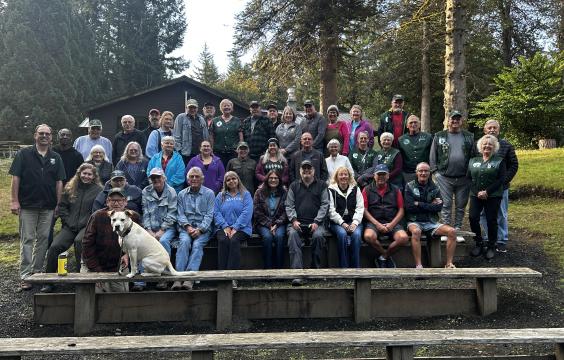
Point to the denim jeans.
(35, 225)
(502, 227)
(165, 240)
(348, 246)
(190, 251)
(296, 242)
(276, 241)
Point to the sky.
(211, 22)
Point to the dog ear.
(128, 212)
(111, 212)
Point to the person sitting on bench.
(383, 210)
(422, 204)
(307, 204)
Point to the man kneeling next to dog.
(101, 251)
(422, 204)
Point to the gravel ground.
(521, 303)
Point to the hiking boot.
(477, 250)
(177, 285)
(390, 264)
(298, 282)
(138, 288)
(460, 239)
(187, 285)
(450, 266)
(47, 288)
(501, 248)
(25, 286)
(490, 253)
(161, 285)
(380, 263)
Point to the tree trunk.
(455, 62)
(504, 7)
(425, 83)
(328, 71)
(561, 27)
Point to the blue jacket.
(174, 171)
(159, 212)
(232, 211)
(196, 209)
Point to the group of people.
(195, 177)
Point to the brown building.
(170, 95)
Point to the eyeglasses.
(116, 200)
(44, 133)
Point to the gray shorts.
(426, 226)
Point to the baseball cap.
(254, 103)
(94, 123)
(154, 111)
(273, 140)
(381, 168)
(308, 103)
(397, 97)
(455, 113)
(156, 172)
(242, 144)
(271, 106)
(119, 191)
(208, 104)
(191, 102)
(116, 174)
(306, 163)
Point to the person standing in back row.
(394, 120)
(190, 129)
(255, 130)
(315, 124)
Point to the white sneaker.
(443, 238)
(234, 284)
(460, 239)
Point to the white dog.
(141, 246)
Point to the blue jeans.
(194, 247)
(268, 241)
(165, 240)
(502, 227)
(348, 246)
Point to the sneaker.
(177, 285)
(138, 288)
(380, 263)
(161, 285)
(450, 266)
(490, 253)
(187, 285)
(419, 267)
(234, 284)
(477, 250)
(443, 238)
(390, 264)
(460, 239)
(298, 282)
(48, 288)
(25, 286)
(501, 248)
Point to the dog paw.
(130, 275)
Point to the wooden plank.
(264, 304)
(435, 257)
(294, 340)
(84, 309)
(399, 352)
(362, 300)
(224, 309)
(202, 355)
(486, 292)
(284, 274)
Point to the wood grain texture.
(486, 291)
(282, 274)
(84, 309)
(295, 340)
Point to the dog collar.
(126, 232)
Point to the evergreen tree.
(207, 72)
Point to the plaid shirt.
(258, 138)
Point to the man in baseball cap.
(394, 120)
(244, 166)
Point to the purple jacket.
(213, 173)
(363, 126)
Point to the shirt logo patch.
(476, 165)
(442, 141)
(379, 156)
(416, 192)
(355, 155)
(218, 124)
(406, 141)
(52, 161)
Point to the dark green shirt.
(361, 161)
(487, 175)
(225, 134)
(415, 149)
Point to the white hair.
(97, 148)
(388, 135)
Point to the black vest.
(342, 203)
(382, 208)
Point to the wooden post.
(434, 245)
(84, 308)
(362, 300)
(559, 354)
(399, 352)
(486, 291)
(224, 311)
(202, 355)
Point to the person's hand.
(382, 228)
(124, 261)
(273, 229)
(15, 207)
(56, 211)
(296, 225)
(227, 232)
(437, 201)
(159, 234)
(345, 226)
(195, 233)
(313, 227)
(482, 194)
(352, 227)
(232, 232)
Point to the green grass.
(9, 253)
(544, 168)
(541, 216)
(8, 222)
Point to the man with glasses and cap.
(209, 113)
(307, 204)
(85, 143)
(244, 166)
(132, 193)
(190, 129)
(315, 124)
(37, 186)
(272, 114)
(154, 117)
(451, 151)
(383, 211)
(394, 120)
(255, 130)
(101, 251)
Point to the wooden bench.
(400, 345)
(361, 302)
(433, 253)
